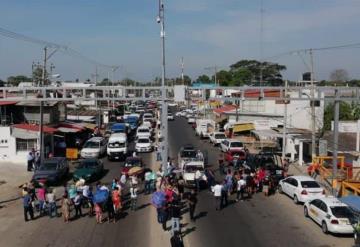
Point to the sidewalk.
(12, 176)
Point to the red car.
(237, 154)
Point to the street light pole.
(313, 125)
(164, 122)
(41, 127)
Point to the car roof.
(234, 140)
(332, 201)
(96, 139)
(303, 178)
(215, 133)
(117, 136)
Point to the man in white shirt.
(241, 184)
(197, 179)
(133, 196)
(217, 190)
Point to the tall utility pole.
(336, 140)
(285, 124)
(114, 68)
(164, 110)
(261, 40)
(182, 70)
(41, 130)
(313, 124)
(215, 72)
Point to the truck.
(204, 127)
(189, 162)
(132, 120)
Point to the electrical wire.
(64, 49)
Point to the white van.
(117, 146)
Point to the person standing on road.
(110, 209)
(192, 201)
(77, 204)
(98, 212)
(133, 196)
(30, 160)
(148, 182)
(115, 194)
(224, 194)
(37, 160)
(51, 200)
(41, 192)
(175, 213)
(217, 190)
(181, 187)
(197, 179)
(65, 208)
(28, 209)
(241, 185)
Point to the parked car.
(117, 146)
(143, 144)
(231, 144)
(52, 170)
(131, 162)
(191, 119)
(95, 147)
(301, 188)
(89, 169)
(143, 131)
(170, 117)
(217, 137)
(331, 214)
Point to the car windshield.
(342, 212)
(188, 154)
(193, 168)
(236, 145)
(143, 130)
(92, 144)
(88, 164)
(219, 136)
(309, 184)
(143, 140)
(48, 165)
(116, 144)
(132, 162)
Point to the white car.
(331, 214)
(191, 119)
(231, 144)
(117, 146)
(95, 147)
(301, 188)
(170, 116)
(217, 137)
(143, 131)
(143, 144)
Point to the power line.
(62, 48)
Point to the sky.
(205, 32)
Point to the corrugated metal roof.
(34, 127)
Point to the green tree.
(345, 113)
(203, 79)
(224, 77)
(104, 82)
(15, 80)
(187, 80)
(271, 72)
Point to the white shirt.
(85, 190)
(197, 174)
(50, 197)
(241, 183)
(134, 180)
(217, 190)
(133, 192)
(123, 179)
(29, 157)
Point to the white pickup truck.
(190, 161)
(204, 127)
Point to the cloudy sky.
(204, 32)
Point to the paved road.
(261, 221)
(273, 221)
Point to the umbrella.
(101, 196)
(158, 199)
(135, 170)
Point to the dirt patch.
(2, 182)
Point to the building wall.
(298, 112)
(8, 148)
